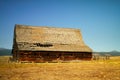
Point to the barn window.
(43, 45)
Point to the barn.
(41, 44)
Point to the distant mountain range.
(112, 53)
(4, 51)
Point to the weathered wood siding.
(49, 56)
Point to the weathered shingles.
(56, 36)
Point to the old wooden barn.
(40, 44)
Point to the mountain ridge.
(5, 51)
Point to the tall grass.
(83, 70)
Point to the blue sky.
(98, 20)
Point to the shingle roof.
(41, 38)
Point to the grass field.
(82, 70)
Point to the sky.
(98, 20)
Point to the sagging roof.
(41, 38)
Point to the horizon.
(93, 51)
(98, 20)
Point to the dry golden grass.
(84, 70)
